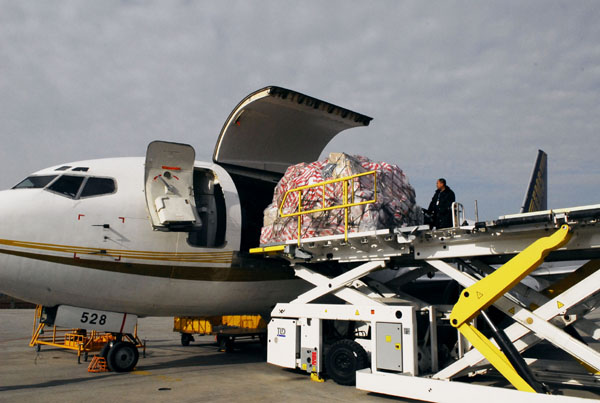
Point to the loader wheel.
(122, 357)
(343, 359)
(225, 343)
(186, 338)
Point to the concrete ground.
(169, 372)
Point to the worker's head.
(441, 184)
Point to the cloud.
(464, 90)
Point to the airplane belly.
(50, 284)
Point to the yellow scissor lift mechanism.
(476, 298)
(479, 294)
(80, 340)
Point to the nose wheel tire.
(343, 359)
(122, 357)
(105, 349)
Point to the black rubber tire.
(229, 345)
(343, 359)
(122, 357)
(105, 349)
(186, 339)
(226, 343)
(262, 338)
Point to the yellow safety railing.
(348, 180)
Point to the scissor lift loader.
(389, 342)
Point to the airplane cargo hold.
(378, 194)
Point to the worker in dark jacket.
(440, 208)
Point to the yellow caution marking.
(304, 367)
(512, 310)
(388, 339)
(267, 249)
(559, 304)
(398, 346)
(136, 372)
(479, 295)
(161, 377)
(357, 313)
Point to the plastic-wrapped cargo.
(395, 205)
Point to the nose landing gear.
(121, 356)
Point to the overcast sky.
(465, 90)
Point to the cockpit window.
(97, 187)
(63, 168)
(35, 182)
(67, 185)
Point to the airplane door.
(169, 186)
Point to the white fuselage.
(102, 253)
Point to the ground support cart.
(226, 329)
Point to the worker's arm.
(431, 207)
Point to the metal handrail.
(458, 210)
(346, 204)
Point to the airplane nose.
(13, 227)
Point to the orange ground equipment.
(79, 340)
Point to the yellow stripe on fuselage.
(196, 257)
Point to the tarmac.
(169, 372)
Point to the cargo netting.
(394, 206)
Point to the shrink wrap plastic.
(395, 205)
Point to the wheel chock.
(316, 378)
(98, 364)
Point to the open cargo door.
(268, 131)
(274, 128)
(169, 186)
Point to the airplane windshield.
(71, 186)
(97, 187)
(79, 187)
(35, 182)
(67, 185)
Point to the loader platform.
(411, 352)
